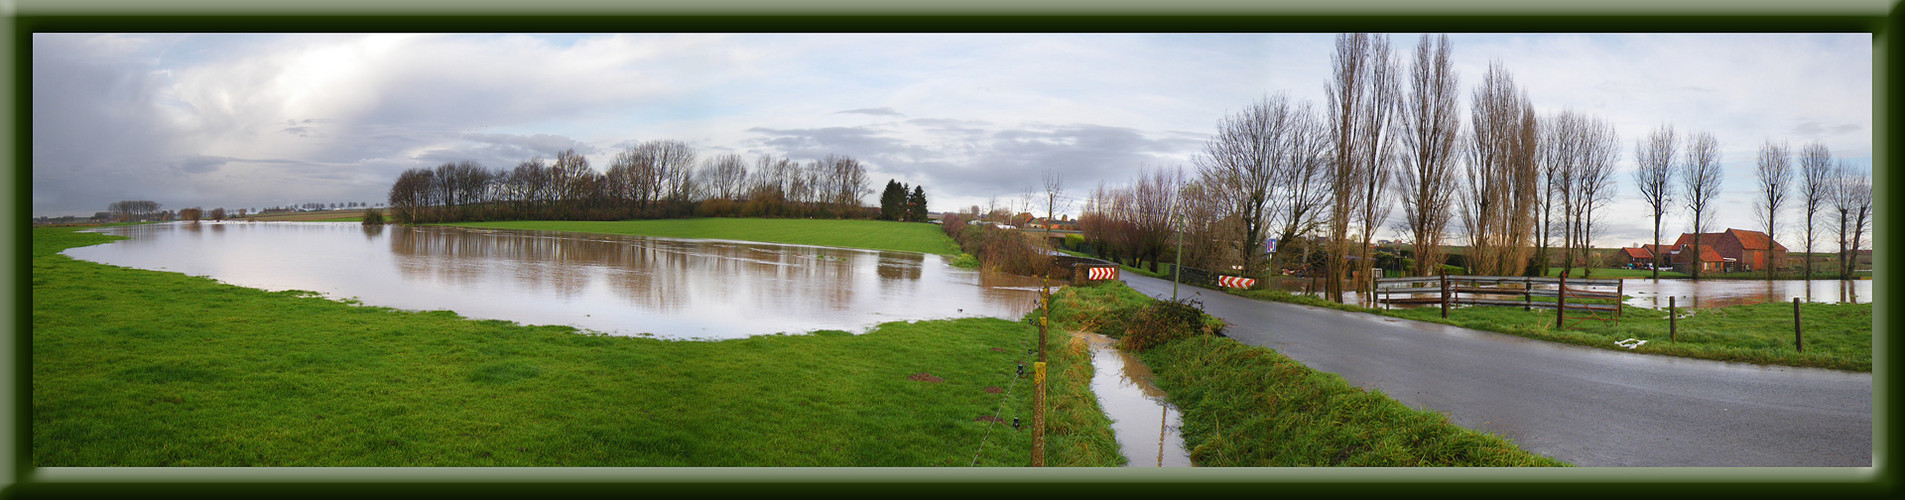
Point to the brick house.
(1736, 249)
(1637, 257)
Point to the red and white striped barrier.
(1102, 273)
(1235, 282)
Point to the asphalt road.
(1590, 407)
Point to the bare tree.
(1239, 167)
(1654, 175)
(1702, 184)
(1378, 150)
(1594, 182)
(1860, 190)
(1815, 191)
(1431, 124)
(1851, 204)
(1501, 189)
(1054, 187)
(1775, 171)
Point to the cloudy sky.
(238, 120)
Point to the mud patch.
(924, 377)
(994, 390)
(998, 349)
(989, 418)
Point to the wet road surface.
(1586, 406)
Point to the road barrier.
(1235, 282)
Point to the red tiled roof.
(1754, 240)
(1706, 255)
(1637, 253)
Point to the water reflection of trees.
(663, 275)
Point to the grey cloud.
(1814, 128)
(503, 150)
(198, 164)
(871, 111)
(971, 159)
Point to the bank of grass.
(868, 234)
(145, 368)
(352, 215)
(1837, 336)
(1247, 406)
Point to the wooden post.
(1445, 295)
(1673, 320)
(1620, 299)
(1528, 295)
(1561, 300)
(1045, 314)
(1038, 414)
(1798, 337)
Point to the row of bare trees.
(654, 179)
(1524, 190)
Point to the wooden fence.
(1568, 294)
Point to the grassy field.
(1247, 406)
(1837, 336)
(353, 215)
(145, 368)
(870, 234)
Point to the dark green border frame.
(934, 482)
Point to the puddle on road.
(1146, 426)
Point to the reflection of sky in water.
(1147, 427)
(612, 284)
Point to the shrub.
(1165, 321)
(373, 217)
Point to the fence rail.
(1489, 290)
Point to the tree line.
(1521, 190)
(653, 179)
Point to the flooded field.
(623, 285)
(1147, 427)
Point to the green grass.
(1247, 406)
(146, 368)
(868, 234)
(1837, 336)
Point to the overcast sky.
(260, 120)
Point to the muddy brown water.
(620, 285)
(1146, 425)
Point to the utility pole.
(1177, 268)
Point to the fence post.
(1445, 294)
(1528, 295)
(1673, 321)
(1798, 335)
(1561, 300)
(1620, 297)
(1038, 414)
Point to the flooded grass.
(1247, 406)
(1837, 336)
(146, 368)
(868, 234)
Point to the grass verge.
(146, 368)
(1837, 336)
(1247, 406)
(868, 234)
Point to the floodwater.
(1720, 293)
(620, 285)
(1147, 427)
